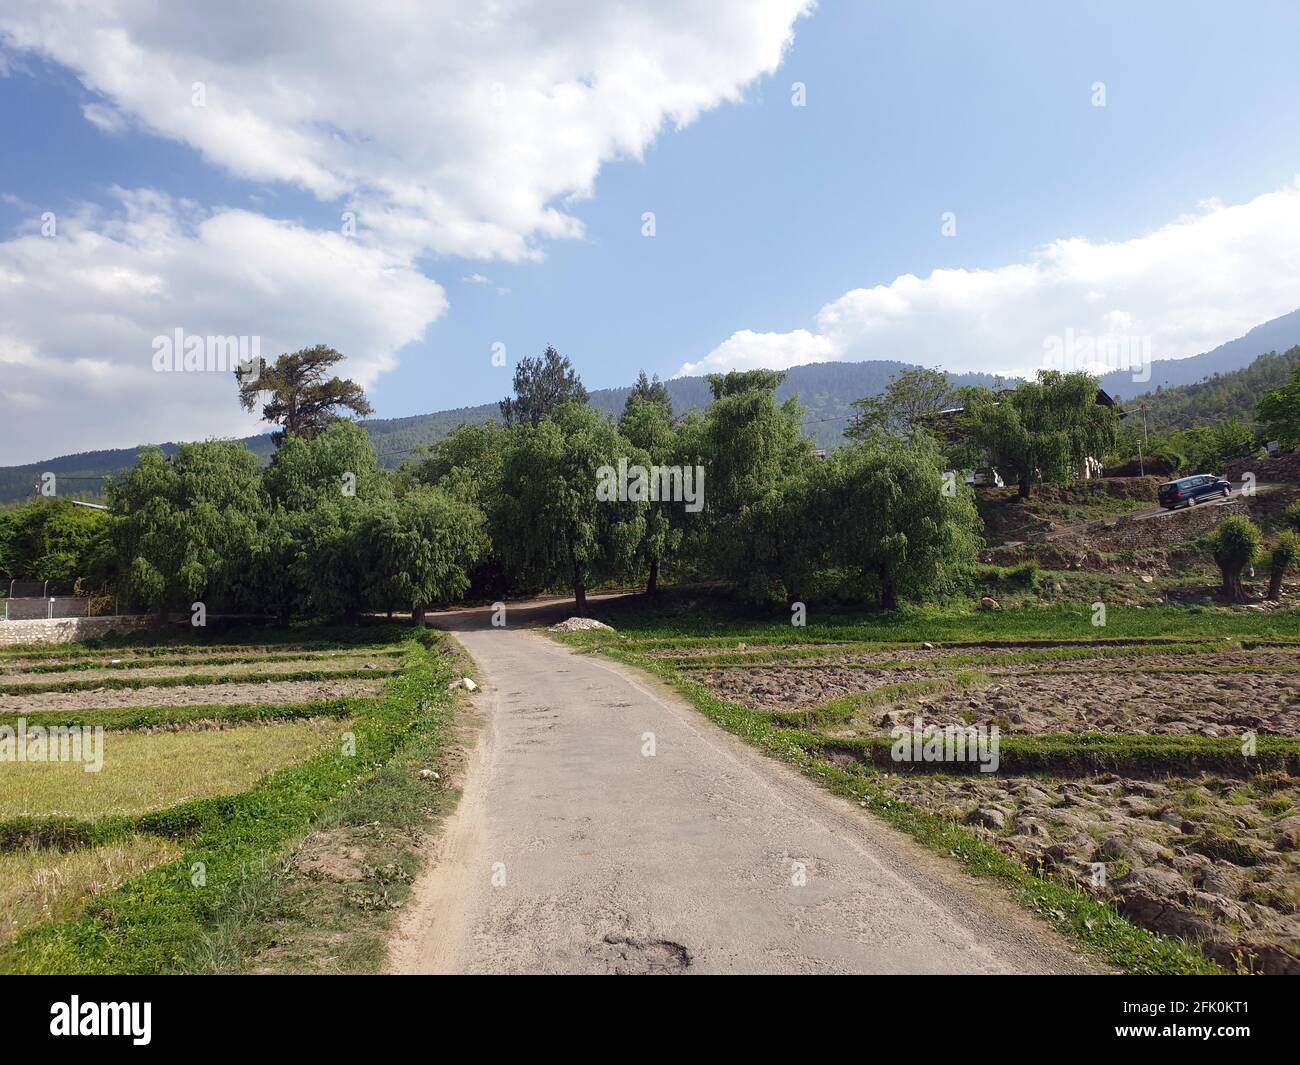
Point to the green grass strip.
(1086, 754)
(124, 718)
(843, 708)
(809, 658)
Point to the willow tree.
(1042, 430)
(1235, 545)
(754, 454)
(418, 550)
(647, 423)
(897, 522)
(184, 528)
(555, 528)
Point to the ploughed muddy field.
(269, 693)
(196, 668)
(1204, 857)
(1211, 694)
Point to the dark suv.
(1187, 490)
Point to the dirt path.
(608, 860)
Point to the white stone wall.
(68, 630)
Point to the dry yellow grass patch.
(143, 772)
(40, 886)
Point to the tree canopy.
(1042, 430)
(541, 385)
(910, 401)
(303, 400)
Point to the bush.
(1027, 574)
(1292, 515)
(1284, 555)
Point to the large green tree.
(896, 521)
(912, 400)
(467, 464)
(555, 527)
(752, 449)
(53, 540)
(647, 423)
(419, 549)
(184, 528)
(1043, 429)
(304, 400)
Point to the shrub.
(1235, 545)
(1292, 515)
(1027, 574)
(1284, 555)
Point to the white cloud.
(79, 312)
(461, 129)
(1187, 287)
(109, 119)
(476, 279)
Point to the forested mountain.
(826, 389)
(1238, 374)
(1223, 396)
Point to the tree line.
(508, 509)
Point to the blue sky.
(766, 213)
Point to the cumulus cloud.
(79, 311)
(460, 129)
(1187, 287)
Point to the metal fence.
(32, 608)
(41, 589)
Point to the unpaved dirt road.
(573, 850)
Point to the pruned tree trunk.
(1275, 582)
(888, 589)
(579, 590)
(652, 581)
(1232, 589)
(417, 614)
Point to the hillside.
(1226, 395)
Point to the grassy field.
(44, 885)
(152, 771)
(216, 834)
(1125, 808)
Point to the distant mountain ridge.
(1279, 334)
(826, 389)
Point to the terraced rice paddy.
(191, 736)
